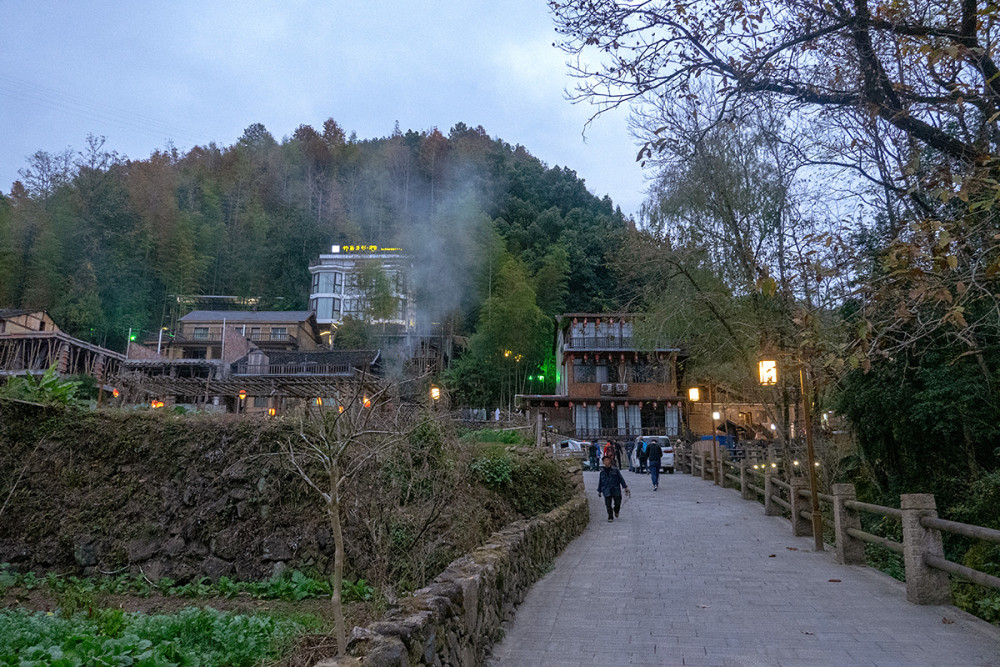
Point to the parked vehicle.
(570, 448)
(666, 445)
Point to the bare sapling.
(338, 436)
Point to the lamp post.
(768, 372)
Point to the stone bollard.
(924, 584)
(707, 464)
(745, 481)
(850, 550)
(771, 508)
(722, 473)
(800, 527)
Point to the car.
(666, 445)
(570, 448)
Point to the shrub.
(493, 468)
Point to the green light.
(132, 337)
(541, 378)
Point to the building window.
(261, 401)
(279, 333)
(352, 308)
(201, 333)
(583, 372)
(327, 308)
(331, 282)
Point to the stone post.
(850, 550)
(924, 584)
(800, 527)
(705, 466)
(745, 481)
(722, 472)
(771, 508)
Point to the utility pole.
(817, 518)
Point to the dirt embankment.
(190, 496)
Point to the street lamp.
(694, 394)
(771, 378)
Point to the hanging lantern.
(571, 404)
(640, 405)
(598, 405)
(557, 404)
(655, 405)
(623, 357)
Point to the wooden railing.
(293, 369)
(926, 568)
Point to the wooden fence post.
(850, 550)
(924, 584)
(705, 465)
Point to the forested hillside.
(101, 242)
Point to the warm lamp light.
(435, 393)
(694, 394)
(768, 371)
(716, 415)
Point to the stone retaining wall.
(457, 619)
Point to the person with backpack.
(654, 454)
(610, 486)
(642, 456)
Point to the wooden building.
(610, 382)
(31, 342)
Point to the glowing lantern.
(768, 372)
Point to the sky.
(145, 75)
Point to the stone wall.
(457, 619)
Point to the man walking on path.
(654, 453)
(610, 486)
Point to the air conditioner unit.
(607, 389)
(621, 389)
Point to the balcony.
(274, 338)
(616, 432)
(343, 370)
(600, 343)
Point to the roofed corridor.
(694, 575)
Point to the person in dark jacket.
(629, 448)
(610, 486)
(641, 445)
(592, 451)
(654, 454)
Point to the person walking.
(641, 446)
(610, 486)
(629, 448)
(654, 454)
(618, 454)
(592, 451)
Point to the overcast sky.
(143, 74)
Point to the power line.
(52, 99)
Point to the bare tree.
(338, 437)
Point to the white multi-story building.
(336, 293)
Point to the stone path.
(694, 575)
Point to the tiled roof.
(240, 316)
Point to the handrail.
(874, 509)
(784, 485)
(975, 576)
(875, 539)
(755, 488)
(825, 497)
(779, 501)
(964, 529)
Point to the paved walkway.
(694, 575)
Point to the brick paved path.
(693, 575)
